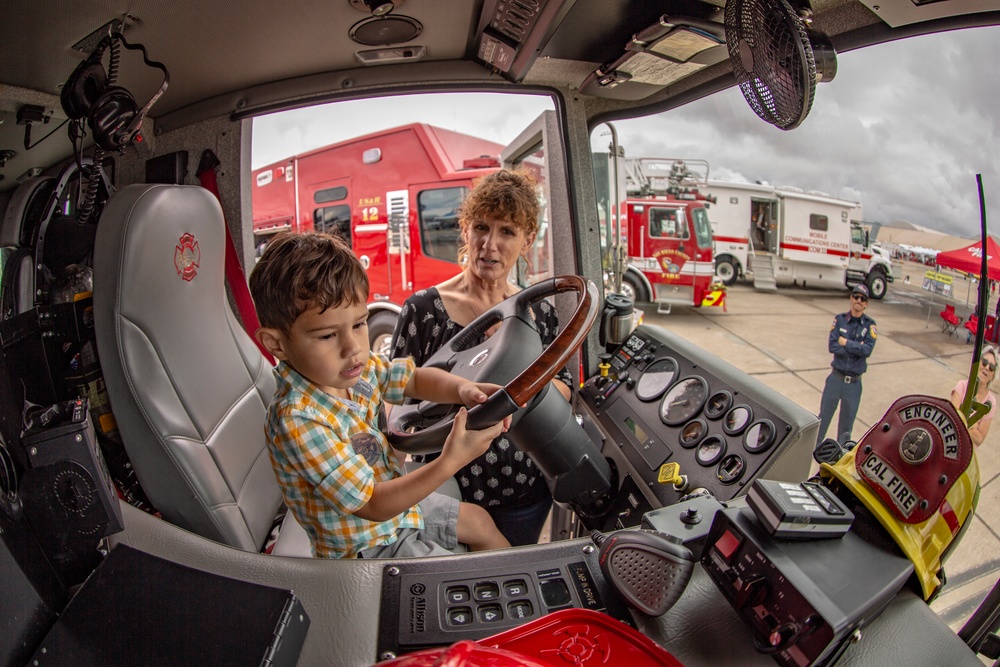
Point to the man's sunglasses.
(992, 367)
(860, 297)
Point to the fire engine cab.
(392, 195)
(668, 235)
(783, 235)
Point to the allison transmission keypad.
(426, 602)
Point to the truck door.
(764, 225)
(861, 253)
(667, 240)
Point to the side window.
(335, 220)
(820, 223)
(438, 219)
(667, 223)
(338, 193)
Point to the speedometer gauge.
(683, 401)
(655, 379)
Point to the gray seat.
(17, 237)
(188, 386)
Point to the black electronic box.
(803, 600)
(804, 510)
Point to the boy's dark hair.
(299, 272)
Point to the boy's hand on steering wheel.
(474, 393)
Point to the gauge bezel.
(712, 414)
(736, 430)
(689, 412)
(708, 463)
(646, 398)
(759, 448)
(691, 444)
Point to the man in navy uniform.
(852, 339)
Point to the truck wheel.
(877, 285)
(725, 268)
(632, 286)
(380, 328)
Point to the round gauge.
(710, 450)
(737, 419)
(731, 468)
(692, 433)
(717, 405)
(655, 379)
(683, 401)
(759, 436)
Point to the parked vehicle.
(667, 234)
(392, 195)
(783, 235)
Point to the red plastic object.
(567, 638)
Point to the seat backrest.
(18, 233)
(949, 309)
(189, 388)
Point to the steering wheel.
(423, 428)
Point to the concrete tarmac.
(781, 339)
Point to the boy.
(336, 470)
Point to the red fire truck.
(668, 236)
(393, 195)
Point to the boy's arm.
(439, 386)
(395, 496)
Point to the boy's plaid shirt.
(327, 454)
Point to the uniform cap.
(862, 290)
(916, 471)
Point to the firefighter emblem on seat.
(187, 257)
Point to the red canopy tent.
(970, 258)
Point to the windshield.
(702, 227)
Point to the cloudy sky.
(903, 128)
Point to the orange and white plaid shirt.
(327, 454)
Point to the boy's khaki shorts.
(437, 538)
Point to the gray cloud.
(903, 128)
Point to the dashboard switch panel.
(428, 602)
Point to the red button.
(727, 545)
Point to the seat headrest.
(25, 210)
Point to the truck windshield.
(702, 227)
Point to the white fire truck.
(783, 235)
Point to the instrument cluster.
(661, 404)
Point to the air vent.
(515, 18)
(513, 32)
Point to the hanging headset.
(110, 111)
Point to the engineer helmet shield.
(916, 471)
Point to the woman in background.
(986, 372)
(498, 223)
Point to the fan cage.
(772, 59)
